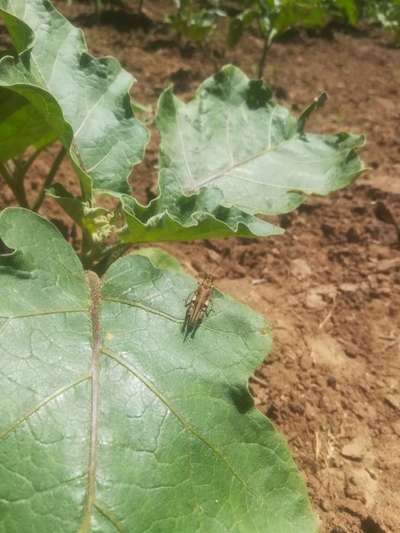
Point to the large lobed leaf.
(111, 420)
(231, 153)
(81, 100)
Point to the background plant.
(387, 13)
(274, 18)
(195, 20)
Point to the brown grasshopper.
(198, 305)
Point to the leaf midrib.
(94, 286)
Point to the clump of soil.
(330, 287)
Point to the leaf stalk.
(49, 178)
(15, 185)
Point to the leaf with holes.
(81, 100)
(111, 420)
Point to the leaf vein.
(144, 308)
(186, 426)
(12, 427)
(44, 313)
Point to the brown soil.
(330, 286)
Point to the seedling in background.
(193, 22)
(274, 18)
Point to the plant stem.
(107, 257)
(261, 64)
(49, 178)
(140, 8)
(97, 9)
(6, 176)
(15, 185)
(31, 159)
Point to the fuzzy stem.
(49, 178)
(263, 58)
(15, 185)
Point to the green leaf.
(232, 145)
(238, 24)
(188, 220)
(111, 421)
(235, 31)
(21, 125)
(160, 259)
(231, 153)
(195, 25)
(349, 10)
(84, 101)
(284, 15)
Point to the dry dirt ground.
(330, 287)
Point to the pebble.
(320, 296)
(393, 400)
(349, 287)
(300, 269)
(355, 449)
(360, 486)
(388, 264)
(396, 427)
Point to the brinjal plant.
(274, 18)
(194, 22)
(112, 418)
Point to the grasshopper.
(198, 305)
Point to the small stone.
(309, 412)
(349, 287)
(325, 505)
(355, 449)
(370, 525)
(388, 264)
(360, 486)
(351, 350)
(331, 381)
(300, 269)
(385, 291)
(306, 362)
(315, 301)
(380, 251)
(393, 400)
(296, 408)
(214, 256)
(326, 350)
(352, 235)
(396, 427)
(327, 230)
(320, 296)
